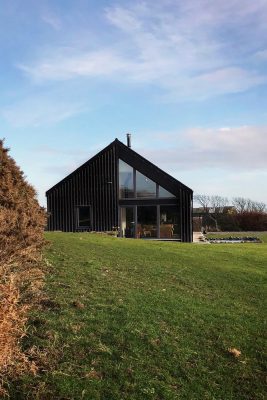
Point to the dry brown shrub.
(22, 222)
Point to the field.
(133, 319)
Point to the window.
(127, 222)
(133, 184)
(164, 193)
(126, 181)
(147, 222)
(169, 222)
(145, 187)
(84, 220)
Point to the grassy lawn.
(133, 319)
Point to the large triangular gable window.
(133, 184)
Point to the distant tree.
(246, 215)
(203, 200)
(218, 203)
(262, 207)
(257, 206)
(242, 204)
(251, 221)
(250, 215)
(215, 203)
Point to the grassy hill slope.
(129, 319)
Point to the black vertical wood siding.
(94, 184)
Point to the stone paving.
(198, 237)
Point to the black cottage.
(120, 189)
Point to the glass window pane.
(147, 222)
(145, 187)
(84, 219)
(164, 193)
(127, 222)
(125, 180)
(169, 222)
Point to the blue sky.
(188, 79)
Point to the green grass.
(133, 319)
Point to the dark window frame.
(78, 207)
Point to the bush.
(237, 221)
(22, 222)
(252, 221)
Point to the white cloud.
(67, 65)
(123, 18)
(215, 83)
(262, 54)
(40, 110)
(52, 21)
(190, 50)
(241, 148)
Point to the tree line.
(219, 213)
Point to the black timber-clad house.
(118, 188)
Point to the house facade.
(120, 189)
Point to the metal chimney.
(129, 144)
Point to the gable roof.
(136, 161)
